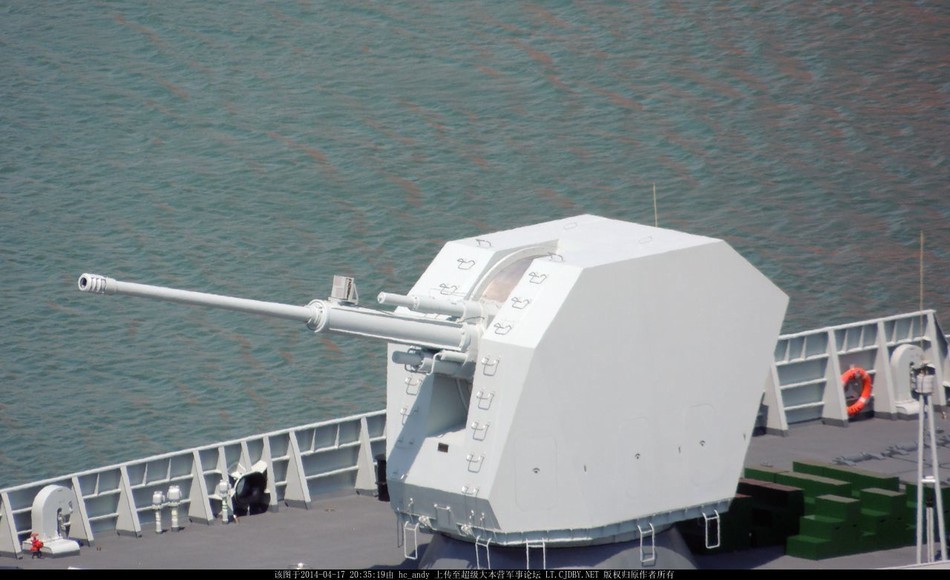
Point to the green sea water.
(257, 148)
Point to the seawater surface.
(256, 149)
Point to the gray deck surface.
(359, 532)
(348, 532)
(826, 442)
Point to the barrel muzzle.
(96, 284)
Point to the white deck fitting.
(303, 462)
(805, 380)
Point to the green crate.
(734, 525)
(762, 536)
(884, 500)
(877, 522)
(814, 485)
(910, 492)
(822, 527)
(763, 473)
(833, 506)
(773, 495)
(904, 534)
(858, 478)
(809, 548)
(846, 540)
(775, 511)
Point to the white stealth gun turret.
(574, 382)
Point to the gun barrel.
(97, 284)
(320, 316)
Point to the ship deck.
(350, 531)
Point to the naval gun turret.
(581, 381)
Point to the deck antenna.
(924, 380)
(656, 219)
(921, 305)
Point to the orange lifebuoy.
(862, 375)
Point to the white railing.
(302, 462)
(804, 382)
